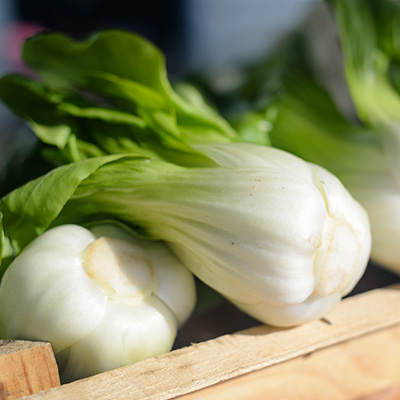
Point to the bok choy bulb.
(103, 298)
(319, 244)
(280, 238)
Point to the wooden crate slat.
(364, 368)
(25, 368)
(201, 365)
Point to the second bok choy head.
(103, 298)
(280, 238)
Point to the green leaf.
(308, 123)
(77, 128)
(29, 210)
(63, 62)
(387, 17)
(115, 87)
(254, 127)
(289, 109)
(109, 95)
(126, 69)
(1, 237)
(31, 100)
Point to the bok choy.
(102, 297)
(280, 238)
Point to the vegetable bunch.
(279, 237)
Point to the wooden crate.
(354, 353)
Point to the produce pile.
(276, 201)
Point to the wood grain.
(204, 364)
(358, 369)
(26, 368)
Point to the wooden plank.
(25, 368)
(359, 369)
(203, 364)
